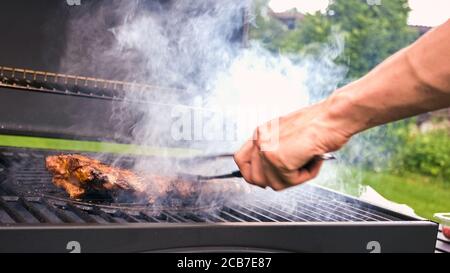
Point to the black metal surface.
(241, 237)
(42, 104)
(307, 218)
(84, 112)
(35, 33)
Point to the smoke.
(213, 90)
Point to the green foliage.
(371, 149)
(424, 153)
(371, 32)
(402, 149)
(313, 32)
(268, 31)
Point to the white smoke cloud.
(188, 46)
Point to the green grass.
(92, 146)
(425, 195)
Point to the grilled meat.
(80, 175)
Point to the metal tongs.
(235, 174)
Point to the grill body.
(35, 216)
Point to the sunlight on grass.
(92, 146)
(425, 195)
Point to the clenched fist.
(285, 152)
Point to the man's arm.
(414, 80)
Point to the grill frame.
(284, 237)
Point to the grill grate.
(32, 210)
(21, 205)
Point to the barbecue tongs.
(238, 174)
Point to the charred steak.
(81, 176)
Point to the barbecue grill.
(37, 216)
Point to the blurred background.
(407, 162)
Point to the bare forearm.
(414, 80)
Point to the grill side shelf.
(442, 242)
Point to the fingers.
(273, 177)
(258, 174)
(308, 172)
(259, 171)
(249, 163)
(243, 159)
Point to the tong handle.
(216, 156)
(238, 173)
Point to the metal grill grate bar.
(264, 211)
(309, 213)
(168, 217)
(273, 209)
(124, 217)
(5, 218)
(349, 210)
(14, 208)
(150, 218)
(81, 214)
(229, 217)
(240, 214)
(40, 211)
(66, 214)
(196, 218)
(254, 213)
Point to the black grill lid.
(35, 103)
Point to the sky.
(424, 12)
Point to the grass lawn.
(91, 146)
(425, 195)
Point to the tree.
(371, 32)
(267, 30)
